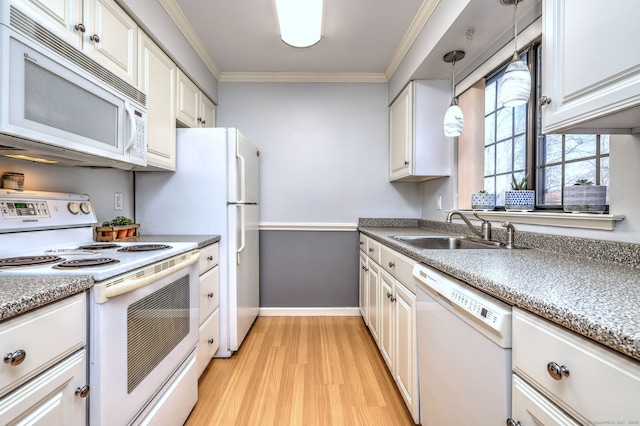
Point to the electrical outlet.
(117, 201)
(438, 202)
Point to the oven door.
(139, 341)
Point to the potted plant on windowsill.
(584, 197)
(519, 199)
(483, 200)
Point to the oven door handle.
(130, 285)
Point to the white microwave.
(59, 106)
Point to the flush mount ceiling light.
(516, 81)
(453, 119)
(300, 21)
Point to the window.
(509, 150)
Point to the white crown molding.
(308, 226)
(300, 77)
(309, 312)
(418, 23)
(174, 11)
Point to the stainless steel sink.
(447, 242)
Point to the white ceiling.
(358, 36)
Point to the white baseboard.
(309, 312)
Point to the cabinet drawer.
(208, 258)
(373, 250)
(46, 335)
(209, 297)
(602, 385)
(531, 408)
(363, 242)
(400, 266)
(208, 340)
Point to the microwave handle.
(132, 128)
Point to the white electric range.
(143, 307)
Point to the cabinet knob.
(15, 358)
(391, 264)
(361, 243)
(83, 392)
(210, 295)
(80, 27)
(210, 258)
(204, 122)
(370, 250)
(389, 295)
(557, 372)
(95, 38)
(511, 422)
(366, 269)
(210, 341)
(406, 163)
(392, 299)
(544, 101)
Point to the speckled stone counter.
(201, 240)
(21, 294)
(599, 300)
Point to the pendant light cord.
(453, 83)
(515, 25)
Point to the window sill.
(604, 222)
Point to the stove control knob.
(85, 208)
(73, 207)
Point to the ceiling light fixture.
(300, 21)
(453, 119)
(516, 80)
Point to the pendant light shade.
(453, 118)
(300, 21)
(516, 80)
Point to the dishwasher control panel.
(474, 306)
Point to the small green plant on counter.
(520, 185)
(118, 221)
(583, 182)
(482, 191)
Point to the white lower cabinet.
(391, 316)
(363, 297)
(208, 340)
(530, 407)
(208, 306)
(591, 383)
(44, 375)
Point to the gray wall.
(100, 184)
(324, 158)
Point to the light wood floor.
(301, 371)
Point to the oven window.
(156, 324)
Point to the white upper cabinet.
(194, 108)
(418, 149)
(591, 66)
(157, 78)
(100, 28)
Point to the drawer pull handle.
(389, 295)
(511, 422)
(210, 341)
(391, 264)
(209, 258)
(95, 38)
(83, 392)
(370, 250)
(210, 295)
(557, 372)
(15, 358)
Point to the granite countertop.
(599, 300)
(22, 294)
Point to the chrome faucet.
(510, 234)
(485, 232)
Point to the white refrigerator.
(214, 190)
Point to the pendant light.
(453, 119)
(516, 80)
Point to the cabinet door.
(188, 101)
(157, 79)
(363, 288)
(116, 44)
(209, 297)
(529, 407)
(207, 112)
(387, 319)
(590, 74)
(405, 346)
(58, 16)
(50, 398)
(373, 282)
(208, 340)
(401, 134)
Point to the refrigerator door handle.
(243, 177)
(243, 233)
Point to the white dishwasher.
(464, 352)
